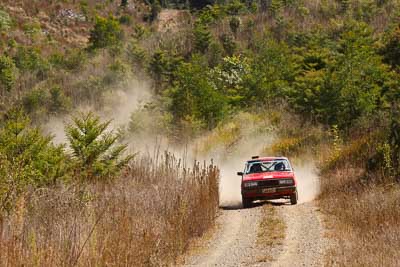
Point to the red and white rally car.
(268, 178)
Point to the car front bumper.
(268, 192)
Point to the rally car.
(268, 178)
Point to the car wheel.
(246, 202)
(293, 198)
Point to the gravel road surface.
(234, 243)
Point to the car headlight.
(250, 184)
(286, 181)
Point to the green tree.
(391, 48)
(155, 9)
(35, 100)
(228, 78)
(346, 85)
(234, 24)
(106, 32)
(272, 70)
(95, 151)
(202, 37)
(235, 7)
(194, 96)
(28, 59)
(58, 101)
(344, 5)
(228, 43)
(359, 73)
(310, 94)
(163, 67)
(5, 21)
(7, 73)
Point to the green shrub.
(394, 139)
(202, 38)
(149, 121)
(5, 21)
(83, 4)
(30, 59)
(106, 32)
(90, 90)
(35, 100)
(72, 60)
(41, 101)
(8, 73)
(234, 24)
(155, 10)
(235, 7)
(58, 102)
(228, 43)
(32, 28)
(27, 158)
(125, 19)
(344, 5)
(272, 69)
(215, 54)
(212, 14)
(391, 48)
(136, 54)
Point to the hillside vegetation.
(325, 74)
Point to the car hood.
(267, 175)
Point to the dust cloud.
(121, 103)
(307, 181)
(254, 138)
(118, 106)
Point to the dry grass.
(366, 224)
(145, 218)
(363, 207)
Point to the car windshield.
(267, 166)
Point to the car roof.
(267, 159)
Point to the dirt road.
(234, 243)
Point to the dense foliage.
(29, 160)
(335, 63)
(331, 63)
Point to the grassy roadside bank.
(145, 217)
(362, 207)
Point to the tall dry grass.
(363, 207)
(144, 218)
(366, 221)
